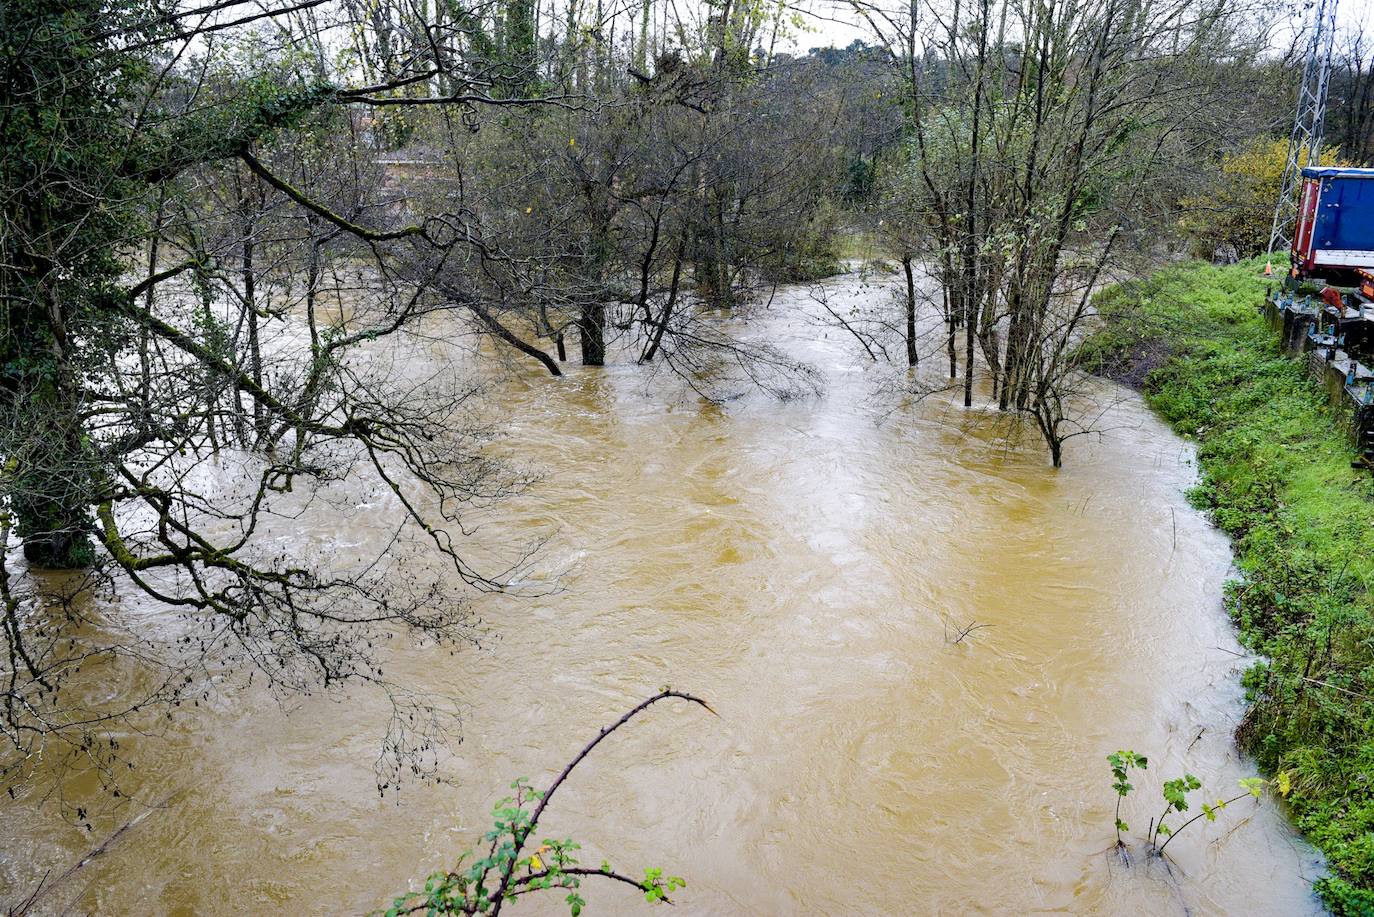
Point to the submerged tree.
(194, 271)
(229, 232)
(1037, 133)
(630, 223)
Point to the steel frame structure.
(1309, 122)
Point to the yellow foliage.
(1238, 207)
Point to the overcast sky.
(832, 23)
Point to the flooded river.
(801, 565)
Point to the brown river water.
(799, 564)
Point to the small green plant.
(483, 885)
(1175, 793)
(1253, 787)
(1122, 762)
(1175, 800)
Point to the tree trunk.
(51, 508)
(662, 325)
(51, 491)
(1049, 428)
(951, 327)
(713, 255)
(250, 304)
(591, 329)
(505, 334)
(1012, 364)
(970, 336)
(988, 338)
(911, 356)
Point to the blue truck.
(1334, 237)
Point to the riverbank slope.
(1277, 477)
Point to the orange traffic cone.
(1268, 269)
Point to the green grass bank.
(1277, 477)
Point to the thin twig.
(499, 898)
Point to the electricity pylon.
(1309, 123)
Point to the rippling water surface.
(800, 565)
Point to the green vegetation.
(1175, 793)
(485, 884)
(1122, 762)
(476, 887)
(810, 251)
(1235, 204)
(1277, 477)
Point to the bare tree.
(163, 415)
(1036, 133)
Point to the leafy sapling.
(506, 872)
(1122, 762)
(1175, 793)
(1253, 787)
(1175, 800)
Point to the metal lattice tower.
(1305, 143)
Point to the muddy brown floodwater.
(798, 564)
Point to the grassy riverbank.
(1277, 477)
